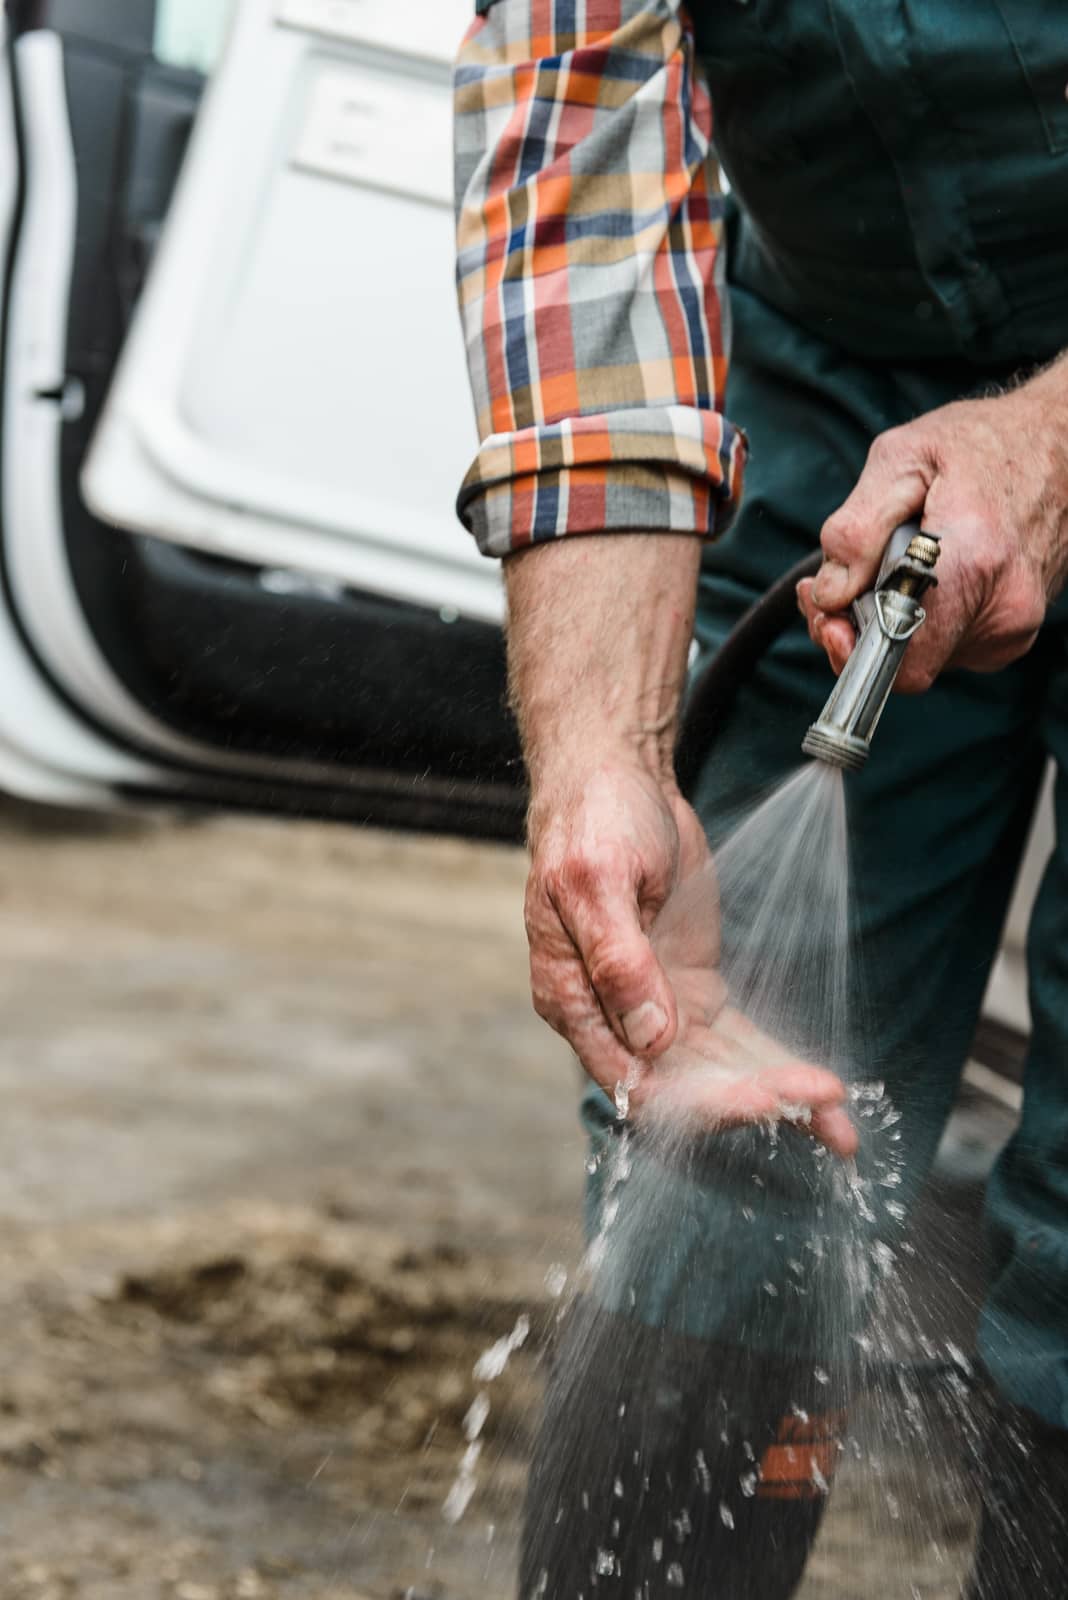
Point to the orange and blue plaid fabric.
(590, 275)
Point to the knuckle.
(843, 534)
(549, 994)
(884, 447)
(837, 536)
(579, 875)
(547, 1007)
(542, 1002)
(922, 678)
(613, 967)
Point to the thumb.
(633, 989)
(892, 488)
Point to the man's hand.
(990, 476)
(621, 908)
(606, 855)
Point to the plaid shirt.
(590, 275)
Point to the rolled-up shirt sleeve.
(590, 266)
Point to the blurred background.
(284, 1149)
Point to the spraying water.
(740, 1281)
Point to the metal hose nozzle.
(886, 620)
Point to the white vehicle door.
(235, 415)
(292, 391)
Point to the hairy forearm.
(598, 634)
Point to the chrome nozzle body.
(886, 620)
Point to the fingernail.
(831, 585)
(644, 1025)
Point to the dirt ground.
(283, 1151)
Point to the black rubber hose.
(713, 694)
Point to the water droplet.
(621, 1095)
(658, 1550)
(606, 1563)
(821, 1376)
(683, 1527)
(726, 1515)
(883, 1257)
(493, 1361)
(459, 1496)
(748, 1484)
(475, 1419)
(956, 1355)
(675, 1577)
(556, 1279)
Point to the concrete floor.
(283, 1150)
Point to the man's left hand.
(991, 477)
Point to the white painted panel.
(368, 128)
(293, 392)
(431, 28)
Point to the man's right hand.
(606, 855)
(623, 922)
(622, 911)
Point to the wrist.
(1044, 423)
(561, 749)
(561, 784)
(1041, 406)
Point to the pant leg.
(1024, 1327)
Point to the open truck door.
(235, 415)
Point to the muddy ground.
(283, 1150)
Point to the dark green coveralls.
(902, 241)
(898, 240)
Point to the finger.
(834, 634)
(715, 1098)
(814, 617)
(805, 603)
(736, 1041)
(739, 1060)
(814, 1088)
(624, 972)
(838, 637)
(563, 996)
(832, 1126)
(892, 488)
